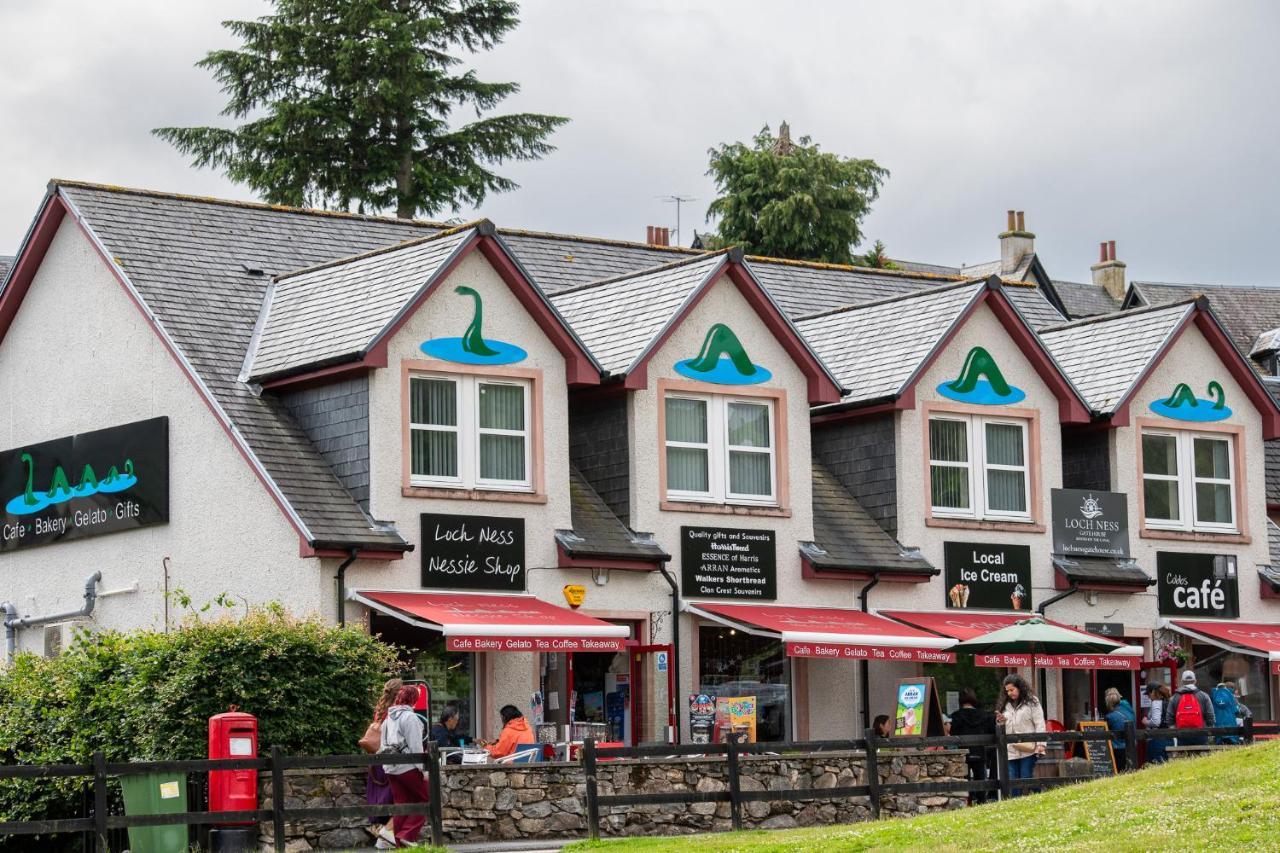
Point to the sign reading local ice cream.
(1090, 524)
(717, 562)
(987, 577)
(482, 552)
(1198, 585)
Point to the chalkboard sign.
(483, 552)
(1102, 759)
(720, 563)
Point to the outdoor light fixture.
(600, 576)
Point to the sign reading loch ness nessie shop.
(728, 563)
(987, 577)
(1090, 524)
(85, 485)
(482, 552)
(1198, 585)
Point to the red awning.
(486, 622)
(965, 626)
(1250, 637)
(830, 632)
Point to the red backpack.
(1188, 714)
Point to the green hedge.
(148, 696)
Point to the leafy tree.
(875, 257)
(788, 199)
(352, 100)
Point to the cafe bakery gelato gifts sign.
(482, 552)
(1090, 524)
(85, 484)
(987, 577)
(1198, 585)
(721, 563)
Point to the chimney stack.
(1016, 243)
(656, 235)
(1108, 272)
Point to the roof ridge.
(638, 273)
(914, 294)
(603, 241)
(1120, 315)
(382, 250)
(1219, 285)
(823, 265)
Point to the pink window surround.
(415, 367)
(1236, 434)
(781, 456)
(1035, 502)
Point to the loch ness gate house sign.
(85, 485)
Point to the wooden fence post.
(435, 801)
(735, 783)
(1002, 764)
(873, 774)
(277, 797)
(1247, 733)
(1130, 745)
(589, 771)
(100, 802)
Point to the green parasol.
(1035, 636)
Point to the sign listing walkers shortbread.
(722, 563)
(1090, 524)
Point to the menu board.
(736, 714)
(988, 577)
(1102, 759)
(482, 552)
(717, 562)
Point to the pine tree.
(347, 104)
(788, 199)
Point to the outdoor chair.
(525, 754)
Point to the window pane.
(501, 457)
(687, 469)
(949, 487)
(435, 453)
(1213, 503)
(749, 425)
(502, 407)
(1161, 499)
(1006, 491)
(433, 401)
(1004, 444)
(686, 420)
(948, 441)
(1159, 455)
(749, 473)
(1212, 459)
(733, 664)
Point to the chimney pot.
(1013, 222)
(1022, 223)
(1102, 252)
(1111, 250)
(648, 234)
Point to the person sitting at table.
(1119, 715)
(515, 732)
(442, 731)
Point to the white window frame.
(718, 449)
(468, 430)
(1188, 510)
(977, 466)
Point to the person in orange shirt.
(515, 732)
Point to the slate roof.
(1108, 572)
(874, 349)
(847, 538)
(1245, 312)
(1104, 356)
(597, 532)
(1271, 450)
(1085, 299)
(1273, 546)
(6, 263)
(557, 261)
(335, 312)
(1265, 344)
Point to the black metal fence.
(101, 824)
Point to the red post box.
(233, 734)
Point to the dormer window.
(469, 432)
(720, 449)
(1188, 481)
(978, 468)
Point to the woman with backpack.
(1225, 710)
(1020, 712)
(402, 735)
(377, 790)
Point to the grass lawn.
(1226, 801)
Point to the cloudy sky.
(1150, 123)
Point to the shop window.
(469, 432)
(978, 468)
(1188, 481)
(735, 664)
(1249, 673)
(720, 449)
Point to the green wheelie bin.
(156, 793)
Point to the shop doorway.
(452, 676)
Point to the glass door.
(653, 710)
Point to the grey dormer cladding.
(336, 419)
(861, 454)
(598, 533)
(1086, 459)
(1102, 572)
(600, 448)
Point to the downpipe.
(341, 578)
(675, 644)
(13, 623)
(866, 665)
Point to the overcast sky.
(1150, 123)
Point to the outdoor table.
(475, 756)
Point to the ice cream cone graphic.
(1019, 594)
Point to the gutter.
(13, 623)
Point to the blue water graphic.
(451, 349)
(19, 506)
(724, 373)
(983, 394)
(1203, 411)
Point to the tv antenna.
(677, 200)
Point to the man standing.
(1190, 708)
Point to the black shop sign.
(85, 485)
(1090, 524)
(484, 552)
(719, 563)
(987, 577)
(1198, 585)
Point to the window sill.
(972, 524)
(1195, 536)
(725, 509)
(472, 495)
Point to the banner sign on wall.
(720, 563)
(1198, 585)
(85, 485)
(483, 552)
(987, 577)
(1090, 524)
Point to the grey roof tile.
(1085, 299)
(6, 263)
(597, 532)
(1103, 357)
(1273, 547)
(1095, 570)
(1265, 344)
(1244, 311)
(1272, 451)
